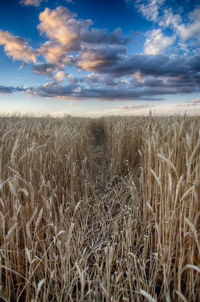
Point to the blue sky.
(95, 58)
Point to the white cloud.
(185, 25)
(192, 29)
(188, 31)
(17, 47)
(185, 30)
(150, 10)
(31, 2)
(157, 42)
(60, 75)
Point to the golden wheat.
(100, 209)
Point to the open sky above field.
(99, 57)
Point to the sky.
(94, 58)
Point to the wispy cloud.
(150, 9)
(195, 102)
(185, 30)
(135, 107)
(31, 2)
(157, 42)
(184, 27)
(156, 110)
(191, 103)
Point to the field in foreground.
(100, 209)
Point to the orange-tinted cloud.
(68, 34)
(17, 48)
(31, 2)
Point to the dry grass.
(100, 210)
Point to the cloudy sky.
(99, 57)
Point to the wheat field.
(101, 209)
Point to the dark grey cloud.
(116, 62)
(114, 75)
(102, 59)
(44, 68)
(195, 63)
(177, 71)
(121, 90)
(5, 89)
(99, 36)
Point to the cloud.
(192, 103)
(17, 47)
(95, 59)
(99, 36)
(107, 70)
(44, 68)
(63, 30)
(71, 79)
(116, 63)
(68, 34)
(172, 109)
(135, 107)
(6, 90)
(59, 25)
(21, 66)
(126, 77)
(185, 25)
(187, 30)
(121, 91)
(63, 27)
(60, 75)
(99, 80)
(157, 42)
(197, 101)
(150, 9)
(56, 54)
(156, 110)
(31, 2)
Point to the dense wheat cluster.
(100, 209)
